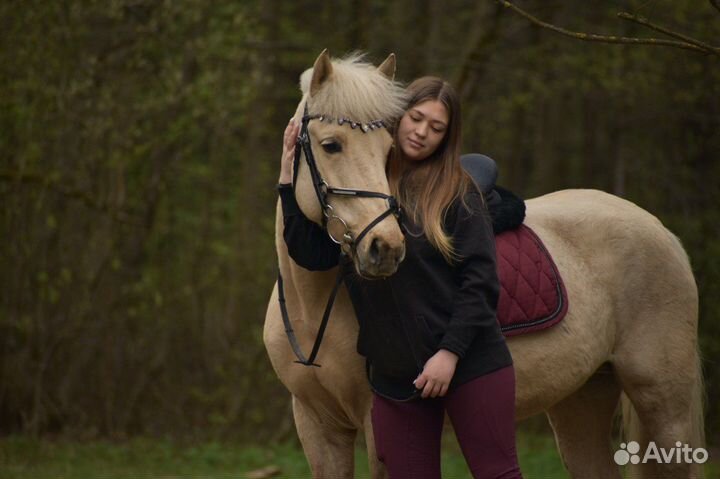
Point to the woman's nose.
(421, 130)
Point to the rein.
(348, 244)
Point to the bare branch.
(646, 23)
(716, 4)
(590, 37)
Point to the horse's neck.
(305, 291)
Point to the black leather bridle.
(348, 244)
(322, 189)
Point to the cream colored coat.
(630, 331)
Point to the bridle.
(322, 189)
(348, 244)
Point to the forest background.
(139, 150)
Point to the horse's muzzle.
(380, 258)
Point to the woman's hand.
(288, 154)
(437, 373)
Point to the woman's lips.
(415, 144)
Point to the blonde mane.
(356, 90)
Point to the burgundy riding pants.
(482, 412)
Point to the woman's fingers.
(436, 390)
(430, 387)
(433, 389)
(288, 137)
(286, 163)
(426, 390)
(421, 383)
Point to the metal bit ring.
(346, 236)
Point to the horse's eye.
(331, 147)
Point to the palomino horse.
(630, 331)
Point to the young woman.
(429, 332)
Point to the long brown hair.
(426, 189)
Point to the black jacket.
(427, 304)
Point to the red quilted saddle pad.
(532, 294)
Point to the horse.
(628, 345)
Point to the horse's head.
(346, 105)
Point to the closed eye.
(331, 146)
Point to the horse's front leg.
(328, 446)
(377, 468)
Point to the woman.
(429, 332)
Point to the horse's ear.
(322, 71)
(387, 67)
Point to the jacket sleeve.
(475, 304)
(307, 243)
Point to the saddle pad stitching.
(535, 322)
(541, 261)
(558, 289)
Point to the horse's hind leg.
(656, 356)
(664, 385)
(583, 427)
(329, 448)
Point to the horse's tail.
(698, 396)
(697, 413)
(697, 409)
(632, 429)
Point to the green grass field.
(24, 458)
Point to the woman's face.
(422, 128)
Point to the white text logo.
(628, 453)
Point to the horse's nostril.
(381, 254)
(374, 252)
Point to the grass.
(25, 458)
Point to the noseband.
(347, 243)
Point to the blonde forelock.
(356, 90)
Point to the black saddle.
(506, 209)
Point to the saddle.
(532, 294)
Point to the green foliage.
(139, 145)
(22, 458)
